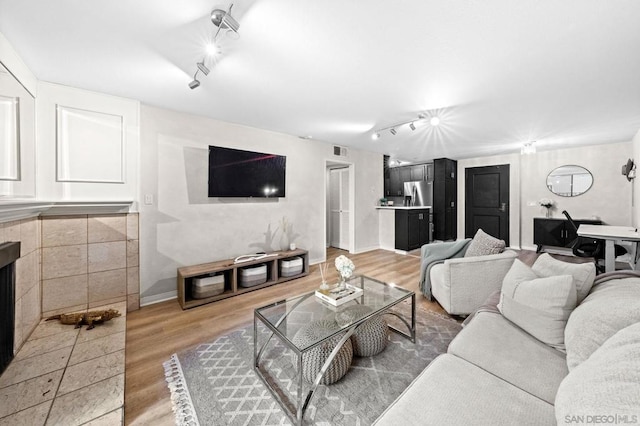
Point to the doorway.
(487, 201)
(339, 205)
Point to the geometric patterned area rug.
(215, 384)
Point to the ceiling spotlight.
(195, 83)
(203, 68)
(434, 121)
(375, 136)
(412, 126)
(224, 20)
(393, 131)
(212, 48)
(528, 148)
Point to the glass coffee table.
(283, 320)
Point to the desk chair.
(592, 247)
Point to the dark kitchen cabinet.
(417, 172)
(557, 232)
(413, 228)
(445, 194)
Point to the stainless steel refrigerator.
(419, 193)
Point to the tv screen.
(237, 173)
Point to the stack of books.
(337, 297)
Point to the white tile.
(29, 393)
(114, 418)
(21, 370)
(64, 231)
(92, 371)
(83, 405)
(97, 347)
(104, 228)
(32, 416)
(34, 347)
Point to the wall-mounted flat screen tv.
(237, 173)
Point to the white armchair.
(463, 284)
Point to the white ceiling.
(497, 72)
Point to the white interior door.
(339, 208)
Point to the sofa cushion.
(451, 391)
(606, 384)
(498, 346)
(540, 306)
(610, 307)
(483, 244)
(583, 273)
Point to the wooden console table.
(229, 268)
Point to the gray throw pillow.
(607, 385)
(540, 306)
(483, 244)
(611, 306)
(583, 273)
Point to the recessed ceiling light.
(434, 121)
(375, 136)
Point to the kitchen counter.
(403, 207)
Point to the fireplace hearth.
(9, 253)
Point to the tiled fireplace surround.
(71, 263)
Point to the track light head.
(375, 136)
(203, 68)
(224, 20)
(412, 126)
(393, 131)
(195, 83)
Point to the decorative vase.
(342, 284)
(548, 212)
(284, 242)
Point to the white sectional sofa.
(496, 373)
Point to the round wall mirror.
(569, 181)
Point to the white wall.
(609, 198)
(183, 226)
(636, 187)
(21, 84)
(49, 186)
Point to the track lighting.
(203, 68)
(434, 121)
(224, 21)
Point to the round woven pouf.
(314, 359)
(371, 337)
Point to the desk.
(610, 234)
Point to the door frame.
(337, 164)
(515, 194)
(490, 169)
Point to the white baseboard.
(366, 249)
(157, 298)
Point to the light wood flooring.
(157, 331)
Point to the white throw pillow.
(606, 386)
(540, 306)
(583, 273)
(484, 244)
